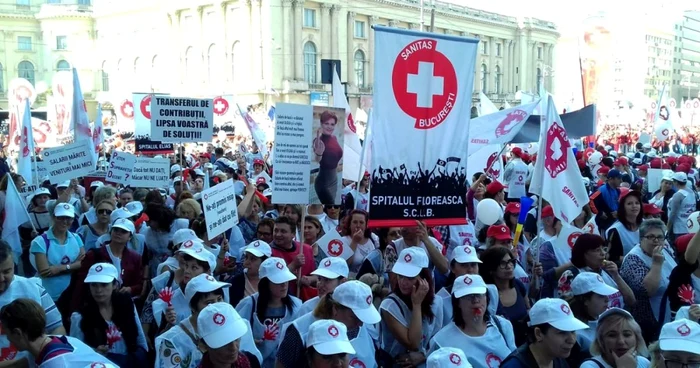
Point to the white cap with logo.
(586, 282)
(680, 335)
(183, 235)
(101, 365)
(468, 285)
(357, 296)
(259, 248)
(102, 273)
(124, 224)
(219, 324)
(329, 337)
(448, 358)
(195, 249)
(555, 312)
(332, 268)
(64, 210)
(465, 254)
(120, 213)
(275, 270)
(203, 283)
(411, 262)
(134, 207)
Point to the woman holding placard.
(327, 152)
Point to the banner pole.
(364, 146)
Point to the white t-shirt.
(642, 362)
(486, 351)
(362, 251)
(403, 315)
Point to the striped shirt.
(22, 287)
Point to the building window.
(2, 78)
(310, 18)
(62, 66)
(498, 49)
(360, 68)
(105, 77)
(310, 62)
(61, 43)
(26, 71)
(497, 79)
(359, 29)
(212, 63)
(539, 53)
(233, 61)
(83, 2)
(485, 47)
(156, 72)
(24, 43)
(539, 80)
(22, 3)
(484, 72)
(189, 64)
(53, 1)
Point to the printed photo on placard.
(326, 177)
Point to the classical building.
(260, 50)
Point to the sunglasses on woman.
(104, 211)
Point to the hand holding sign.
(319, 147)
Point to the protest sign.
(335, 245)
(27, 190)
(40, 172)
(181, 119)
(69, 161)
(149, 147)
(120, 167)
(150, 173)
(220, 208)
(293, 136)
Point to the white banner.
(182, 119)
(499, 127)
(150, 173)
(69, 162)
(335, 245)
(422, 106)
(120, 168)
(220, 208)
(40, 171)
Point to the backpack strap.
(47, 242)
(497, 323)
(171, 278)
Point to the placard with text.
(120, 167)
(68, 162)
(293, 138)
(150, 173)
(220, 208)
(181, 119)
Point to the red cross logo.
(219, 319)
(327, 263)
(696, 103)
(210, 278)
(468, 281)
(407, 258)
(493, 361)
(503, 229)
(351, 123)
(280, 265)
(690, 223)
(683, 329)
(65, 260)
(565, 309)
(664, 132)
(556, 158)
(97, 365)
(98, 268)
(356, 363)
(146, 106)
(66, 207)
(467, 250)
(206, 196)
(369, 299)
(127, 109)
(220, 106)
(510, 121)
(333, 331)
(491, 166)
(424, 83)
(256, 244)
(572, 239)
(455, 359)
(335, 247)
(188, 244)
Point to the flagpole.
(364, 146)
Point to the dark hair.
(201, 295)
(199, 226)
(324, 308)
(313, 220)
(287, 220)
(266, 222)
(622, 212)
(457, 317)
(5, 251)
(154, 198)
(345, 226)
(544, 327)
(94, 326)
(203, 264)
(578, 307)
(219, 151)
(26, 315)
(264, 299)
(140, 194)
(585, 243)
(163, 215)
(491, 260)
(126, 190)
(327, 115)
(382, 233)
(426, 306)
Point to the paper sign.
(182, 119)
(150, 173)
(27, 190)
(220, 208)
(335, 245)
(69, 161)
(654, 177)
(40, 172)
(120, 167)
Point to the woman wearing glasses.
(646, 269)
(91, 232)
(678, 346)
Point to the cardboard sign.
(150, 173)
(182, 119)
(220, 208)
(120, 167)
(68, 162)
(335, 245)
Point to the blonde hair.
(192, 204)
(654, 354)
(615, 321)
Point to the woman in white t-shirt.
(362, 240)
(618, 342)
(488, 338)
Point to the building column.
(370, 75)
(265, 43)
(350, 48)
(298, 51)
(255, 43)
(335, 27)
(477, 66)
(533, 66)
(491, 76)
(288, 51)
(325, 46)
(551, 52)
(523, 61)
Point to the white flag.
(486, 106)
(15, 215)
(352, 149)
(556, 173)
(255, 131)
(591, 227)
(26, 145)
(79, 117)
(499, 127)
(564, 242)
(97, 133)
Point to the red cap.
(655, 163)
(651, 209)
(547, 212)
(513, 207)
(494, 187)
(517, 152)
(603, 170)
(206, 154)
(666, 166)
(685, 160)
(366, 173)
(682, 242)
(261, 180)
(643, 168)
(620, 162)
(671, 160)
(581, 164)
(604, 152)
(533, 157)
(579, 155)
(499, 232)
(526, 158)
(623, 192)
(258, 161)
(683, 168)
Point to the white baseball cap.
(177, 179)
(203, 283)
(64, 184)
(174, 169)
(680, 335)
(332, 268)
(199, 172)
(448, 358)
(646, 145)
(134, 207)
(42, 191)
(64, 209)
(275, 269)
(357, 296)
(195, 249)
(586, 282)
(465, 254)
(259, 248)
(219, 324)
(467, 285)
(101, 365)
(329, 337)
(124, 224)
(120, 213)
(208, 165)
(183, 235)
(555, 312)
(680, 177)
(102, 273)
(97, 184)
(410, 262)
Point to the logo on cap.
(503, 229)
(356, 363)
(210, 278)
(455, 359)
(327, 263)
(565, 309)
(467, 250)
(690, 223)
(600, 278)
(66, 207)
(219, 319)
(256, 244)
(467, 280)
(97, 365)
(333, 331)
(279, 265)
(187, 244)
(683, 329)
(369, 299)
(98, 268)
(407, 258)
